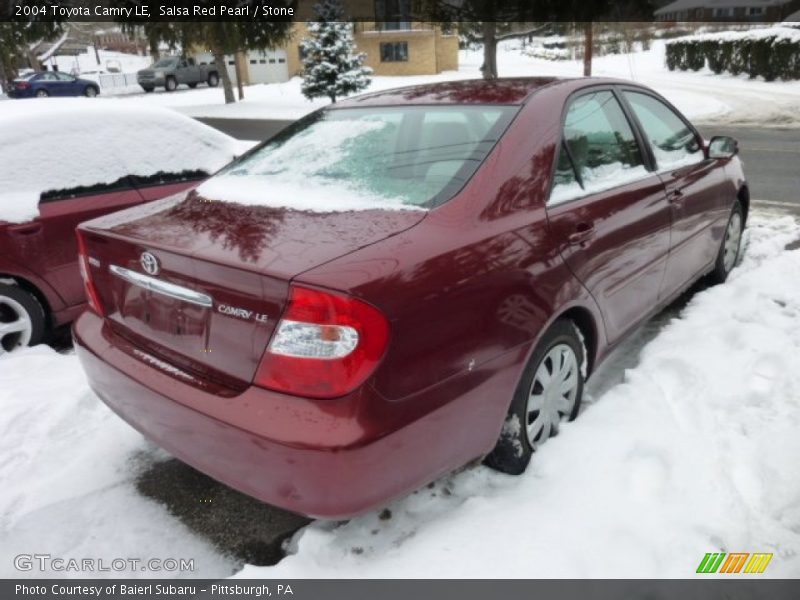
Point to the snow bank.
(780, 32)
(54, 144)
(696, 451)
(67, 469)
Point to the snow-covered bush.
(330, 65)
(772, 53)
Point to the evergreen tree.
(330, 66)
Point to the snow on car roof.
(63, 143)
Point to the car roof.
(508, 90)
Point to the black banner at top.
(394, 11)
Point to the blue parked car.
(52, 83)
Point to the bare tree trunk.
(155, 53)
(238, 68)
(3, 79)
(33, 59)
(489, 67)
(588, 49)
(218, 51)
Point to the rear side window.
(673, 143)
(599, 150)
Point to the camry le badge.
(149, 263)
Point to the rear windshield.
(344, 159)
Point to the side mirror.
(722, 146)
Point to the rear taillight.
(86, 274)
(22, 85)
(325, 346)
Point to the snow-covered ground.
(702, 95)
(695, 451)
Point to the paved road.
(771, 156)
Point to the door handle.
(25, 229)
(675, 195)
(583, 231)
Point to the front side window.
(394, 52)
(345, 159)
(673, 143)
(599, 146)
(166, 63)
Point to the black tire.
(42, 93)
(721, 268)
(171, 84)
(12, 299)
(91, 91)
(514, 450)
(147, 90)
(192, 85)
(213, 80)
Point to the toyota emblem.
(149, 263)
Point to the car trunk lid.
(202, 285)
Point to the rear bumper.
(312, 457)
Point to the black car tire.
(42, 93)
(147, 89)
(91, 91)
(171, 84)
(13, 298)
(192, 85)
(721, 269)
(213, 80)
(513, 450)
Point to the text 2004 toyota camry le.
(399, 284)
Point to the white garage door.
(268, 66)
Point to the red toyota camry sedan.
(403, 282)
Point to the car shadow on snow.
(239, 526)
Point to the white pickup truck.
(171, 71)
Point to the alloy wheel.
(732, 239)
(553, 393)
(16, 326)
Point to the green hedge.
(769, 57)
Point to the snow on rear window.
(49, 145)
(357, 159)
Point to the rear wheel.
(171, 84)
(22, 319)
(548, 394)
(731, 245)
(213, 80)
(192, 85)
(42, 94)
(90, 91)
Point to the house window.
(722, 13)
(755, 11)
(394, 52)
(281, 60)
(393, 15)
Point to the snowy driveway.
(695, 451)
